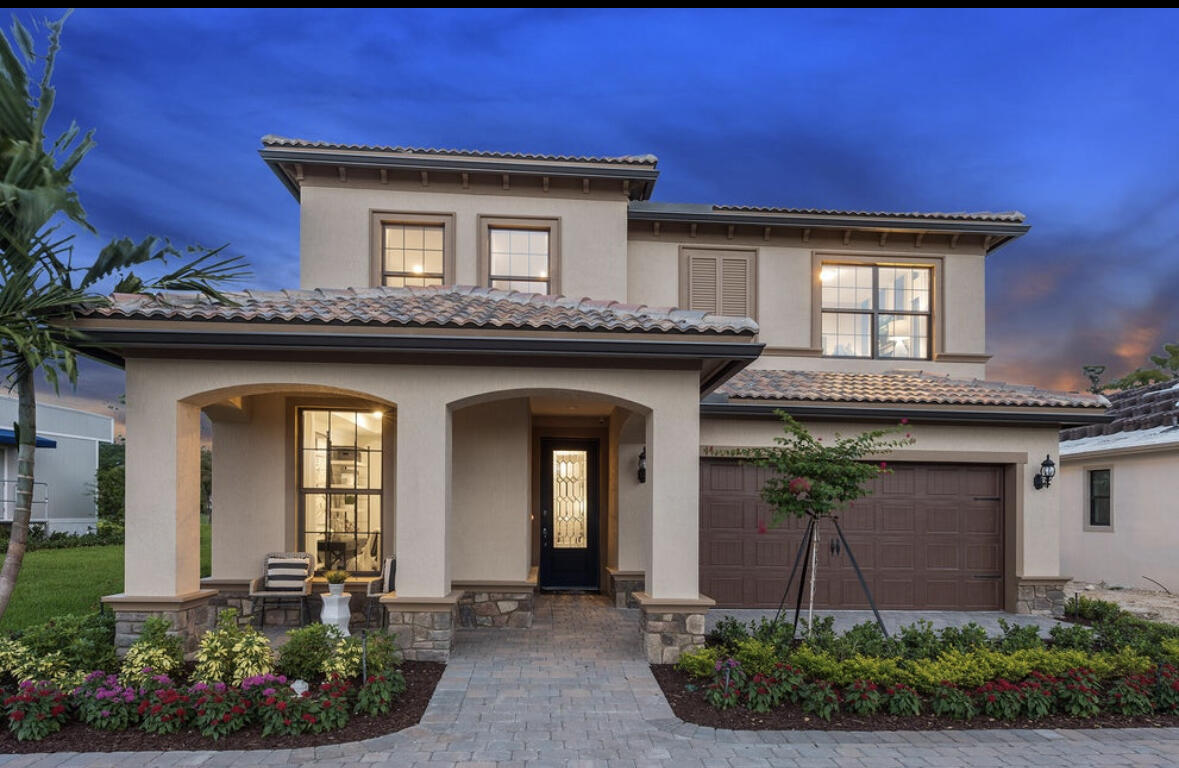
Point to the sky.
(1071, 117)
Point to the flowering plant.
(327, 709)
(35, 710)
(164, 708)
(1166, 689)
(105, 703)
(949, 700)
(218, 710)
(820, 698)
(1130, 695)
(902, 700)
(863, 697)
(1001, 699)
(379, 692)
(279, 710)
(727, 681)
(759, 693)
(1039, 695)
(1078, 693)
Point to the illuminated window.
(876, 311)
(519, 259)
(412, 254)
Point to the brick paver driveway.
(574, 690)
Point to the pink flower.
(799, 485)
(884, 465)
(905, 420)
(761, 526)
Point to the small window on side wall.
(1100, 510)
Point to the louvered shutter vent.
(702, 282)
(734, 287)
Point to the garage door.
(929, 536)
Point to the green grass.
(57, 581)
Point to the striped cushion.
(285, 574)
(390, 574)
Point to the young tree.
(40, 288)
(816, 480)
(1166, 368)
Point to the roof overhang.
(716, 360)
(285, 162)
(891, 413)
(997, 233)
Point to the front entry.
(568, 514)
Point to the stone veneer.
(423, 628)
(1040, 595)
(494, 607)
(668, 628)
(235, 593)
(622, 586)
(190, 616)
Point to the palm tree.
(40, 287)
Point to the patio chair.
(381, 585)
(286, 578)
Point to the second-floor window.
(412, 254)
(520, 259)
(876, 311)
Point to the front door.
(569, 514)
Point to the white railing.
(8, 500)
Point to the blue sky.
(1068, 116)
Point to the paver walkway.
(574, 690)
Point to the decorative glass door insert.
(570, 499)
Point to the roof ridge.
(272, 140)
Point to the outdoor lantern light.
(643, 465)
(1047, 472)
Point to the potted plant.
(335, 581)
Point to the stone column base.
(423, 627)
(189, 614)
(670, 627)
(622, 586)
(1042, 595)
(496, 603)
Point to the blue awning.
(8, 437)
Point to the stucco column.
(162, 549)
(673, 472)
(423, 497)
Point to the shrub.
(700, 662)
(345, 660)
(84, 642)
(1018, 637)
(866, 639)
(155, 652)
(820, 633)
(1166, 689)
(164, 708)
(727, 633)
(902, 700)
(379, 693)
(919, 641)
(18, 663)
(1130, 695)
(383, 656)
(968, 637)
(774, 633)
(1072, 636)
(1001, 700)
(1039, 693)
(819, 698)
(950, 701)
(1169, 648)
(1078, 694)
(36, 710)
(756, 657)
(816, 663)
(1082, 607)
(230, 653)
(863, 697)
(728, 680)
(103, 702)
(218, 710)
(307, 650)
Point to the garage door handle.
(988, 498)
(987, 576)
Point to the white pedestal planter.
(337, 610)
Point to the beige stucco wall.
(785, 289)
(1037, 548)
(489, 533)
(164, 401)
(335, 231)
(1144, 537)
(634, 498)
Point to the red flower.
(884, 465)
(905, 420)
(17, 715)
(226, 718)
(761, 526)
(281, 706)
(57, 710)
(799, 485)
(309, 718)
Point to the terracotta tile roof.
(1014, 217)
(280, 141)
(1140, 408)
(441, 306)
(896, 387)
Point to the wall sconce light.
(1047, 472)
(643, 465)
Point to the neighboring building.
(66, 460)
(1119, 483)
(491, 437)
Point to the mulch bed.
(420, 676)
(691, 707)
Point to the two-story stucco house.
(484, 375)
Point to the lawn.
(57, 581)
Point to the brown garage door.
(929, 536)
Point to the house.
(484, 373)
(1118, 485)
(66, 462)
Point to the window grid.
(412, 254)
(837, 318)
(519, 259)
(1099, 498)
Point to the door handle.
(544, 535)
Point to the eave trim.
(892, 414)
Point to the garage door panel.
(923, 538)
